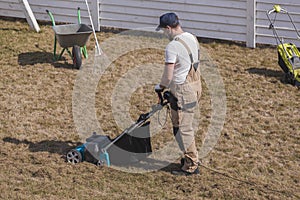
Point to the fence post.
(251, 22)
(95, 13)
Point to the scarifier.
(131, 146)
(288, 53)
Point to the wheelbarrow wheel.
(76, 54)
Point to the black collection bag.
(131, 147)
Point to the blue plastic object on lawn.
(81, 149)
(104, 158)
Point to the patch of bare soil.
(257, 155)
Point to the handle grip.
(277, 9)
(160, 97)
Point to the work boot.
(182, 172)
(185, 173)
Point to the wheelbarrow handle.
(51, 17)
(78, 15)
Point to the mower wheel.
(102, 163)
(76, 55)
(74, 156)
(289, 78)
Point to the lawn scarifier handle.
(143, 117)
(160, 97)
(104, 156)
(278, 9)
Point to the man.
(182, 76)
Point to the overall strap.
(190, 52)
(193, 77)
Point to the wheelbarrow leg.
(55, 40)
(84, 51)
(54, 49)
(65, 49)
(61, 53)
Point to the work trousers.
(187, 95)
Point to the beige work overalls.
(188, 95)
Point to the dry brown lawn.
(257, 155)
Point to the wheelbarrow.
(73, 36)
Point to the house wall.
(207, 18)
(283, 25)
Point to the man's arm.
(167, 75)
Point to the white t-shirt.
(177, 53)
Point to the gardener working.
(182, 76)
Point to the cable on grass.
(167, 114)
(261, 188)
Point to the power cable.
(254, 184)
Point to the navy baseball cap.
(168, 19)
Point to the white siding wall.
(223, 19)
(282, 24)
(62, 10)
(239, 20)
(11, 8)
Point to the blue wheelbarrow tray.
(70, 35)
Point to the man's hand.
(158, 89)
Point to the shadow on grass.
(32, 58)
(51, 146)
(279, 75)
(62, 147)
(150, 164)
(38, 57)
